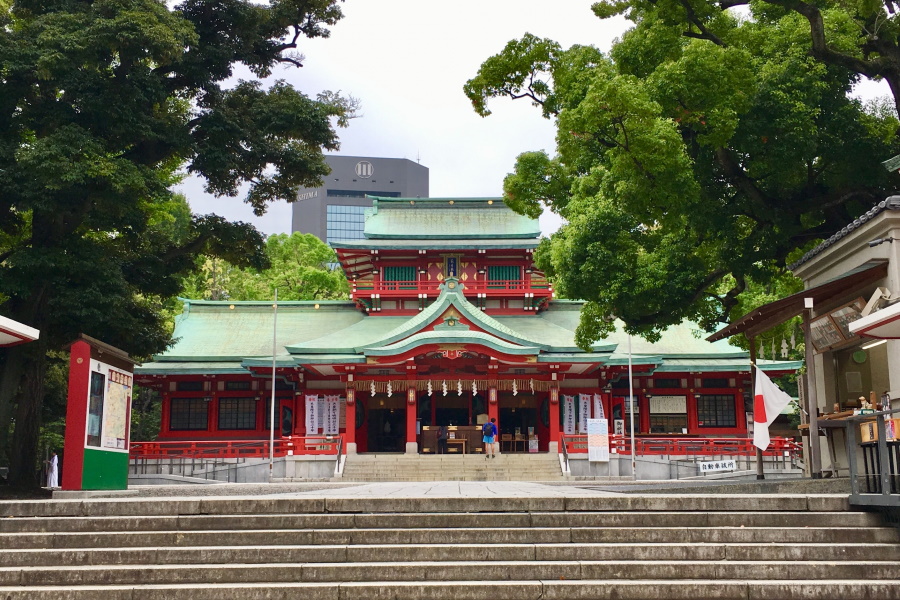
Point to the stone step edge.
(350, 504)
(456, 563)
(433, 530)
(735, 589)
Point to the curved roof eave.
(451, 337)
(456, 298)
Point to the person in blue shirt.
(489, 433)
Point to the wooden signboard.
(833, 329)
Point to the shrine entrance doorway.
(386, 424)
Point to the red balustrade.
(679, 446)
(363, 289)
(313, 444)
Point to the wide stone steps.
(388, 520)
(465, 589)
(561, 535)
(460, 548)
(363, 553)
(452, 467)
(445, 571)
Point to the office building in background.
(336, 210)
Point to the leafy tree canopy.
(102, 102)
(687, 167)
(861, 36)
(301, 269)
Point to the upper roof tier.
(449, 219)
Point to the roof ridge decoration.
(889, 203)
(451, 294)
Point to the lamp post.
(631, 410)
(272, 407)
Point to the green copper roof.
(230, 337)
(447, 336)
(446, 219)
(191, 368)
(741, 365)
(424, 244)
(367, 331)
(551, 332)
(214, 331)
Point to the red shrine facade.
(449, 323)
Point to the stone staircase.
(612, 547)
(452, 467)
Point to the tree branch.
(741, 180)
(705, 33)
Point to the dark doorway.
(518, 420)
(287, 420)
(386, 430)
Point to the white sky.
(407, 61)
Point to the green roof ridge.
(445, 336)
(454, 296)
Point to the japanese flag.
(768, 402)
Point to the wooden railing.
(296, 445)
(680, 446)
(539, 288)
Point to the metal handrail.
(339, 457)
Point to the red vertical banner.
(299, 413)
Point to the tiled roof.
(438, 219)
(225, 337)
(891, 203)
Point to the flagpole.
(272, 402)
(760, 472)
(631, 410)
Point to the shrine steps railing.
(237, 449)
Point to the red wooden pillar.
(165, 419)
(350, 421)
(300, 412)
(411, 446)
(553, 445)
(494, 406)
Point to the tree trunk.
(23, 468)
(30, 383)
(10, 378)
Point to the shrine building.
(449, 322)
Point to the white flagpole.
(272, 407)
(631, 403)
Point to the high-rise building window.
(344, 222)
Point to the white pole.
(631, 404)
(272, 402)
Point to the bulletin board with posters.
(98, 417)
(833, 329)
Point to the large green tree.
(861, 36)
(101, 102)
(685, 163)
(301, 267)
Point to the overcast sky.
(407, 61)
